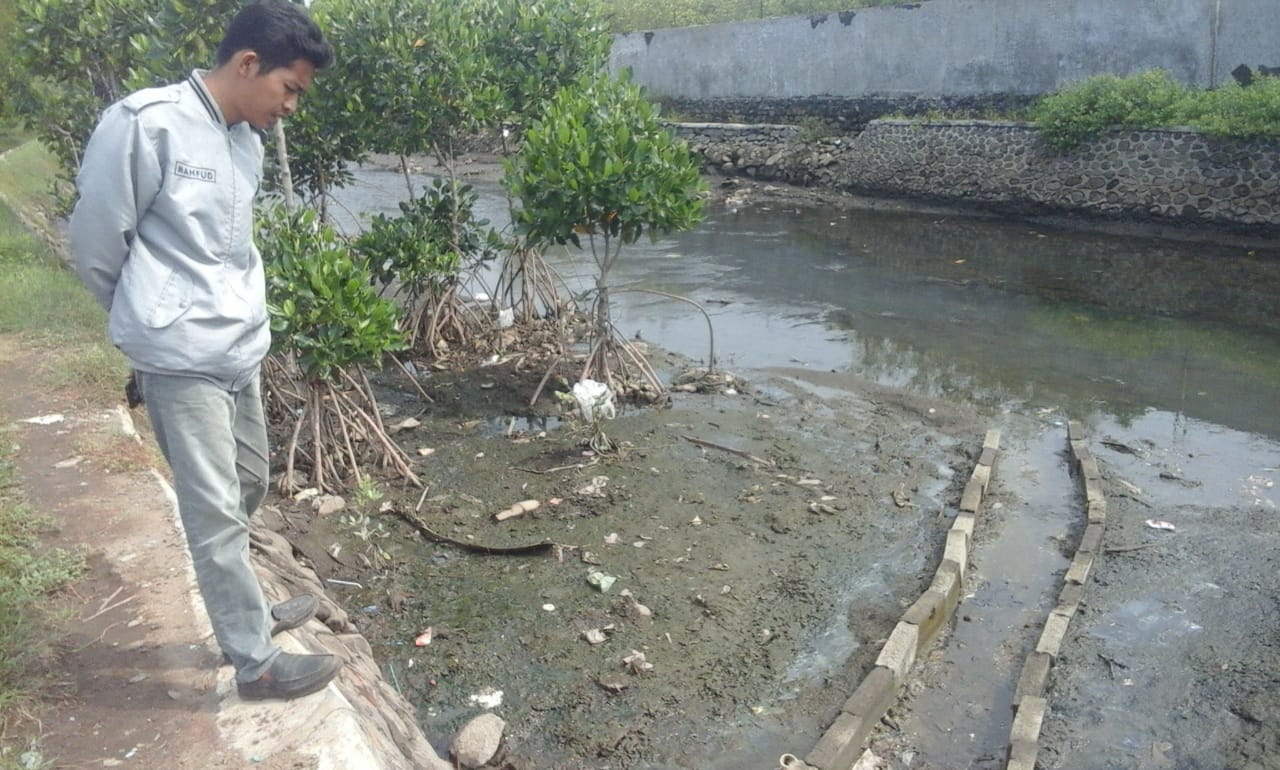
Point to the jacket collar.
(197, 83)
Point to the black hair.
(279, 32)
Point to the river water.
(1000, 313)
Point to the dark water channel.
(1000, 313)
(1142, 339)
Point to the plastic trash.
(595, 400)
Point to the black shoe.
(292, 676)
(288, 615)
(291, 613)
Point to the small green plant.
(599, 167)
(813, 129)
(423, 253)
(367, 493)
(327, 323)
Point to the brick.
(1091, 540)
(982, 474)
(1075, 430)
(1055, 630)
(1069, 599)
(928, 615)
(948, 581)
(1034, 677)
(1022, 756)
(1026, 723)
(1098, 511)
(873, 697)
(991, 440)
(957, 549)
(1078, 572)
(988, 457)
(972, 496)
(899, 652)
(840, 745)
(965, 523)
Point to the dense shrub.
(1153, 99)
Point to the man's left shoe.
(291, 613)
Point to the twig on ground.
(730, 450)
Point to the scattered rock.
(477, 743)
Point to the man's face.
(267, 97)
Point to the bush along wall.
(1161, 175)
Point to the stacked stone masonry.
(842, 744)
(1172, 175)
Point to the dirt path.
(134, 676)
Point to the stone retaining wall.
(1162, 175)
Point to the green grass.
(29, 574)
(40, 298)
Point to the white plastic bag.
(595, 400)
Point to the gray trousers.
(216, 443)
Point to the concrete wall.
(948, 49)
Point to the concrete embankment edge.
(359, 721)
(843, 742)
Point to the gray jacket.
(163, 234)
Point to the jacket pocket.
(172, 302)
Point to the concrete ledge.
(899, 652)
(1091, 540)
(1022, 756)
(1078, 572)
(873, 697)
(991, 440)
(928, 615)
(841, 744)
(982, 474)
(965, 523)
(1034, 677)
(957, 549)
(1069, 599)
(1055, 630)
(948, 581)
(1026, 723)
(972, 496)
(1098, 511)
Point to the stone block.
(972, 497)
(1075, 430)
(1027, 720)
(840, 745)
(982, 474)
(1089, 467)
(1022, 756)
(965, 523)
(991, 440)
(1055, 630)
(1091, 540)
(1093, 490)
(873, 697)
(1078, 572)
(957, 549)
(1098, 511)
(928, 615)
(948, 581)
(899, 651)
(988, 457)
(1035, 674)
(1069, 599)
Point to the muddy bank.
(760, 543)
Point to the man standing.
(162, 234)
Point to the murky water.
(999, 313)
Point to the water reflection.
(1001, 313)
